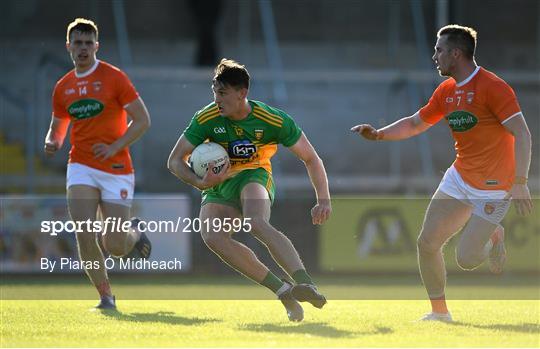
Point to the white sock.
(283, 289)
(488, 246)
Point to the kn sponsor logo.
(242, 149)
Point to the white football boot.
(442, 317)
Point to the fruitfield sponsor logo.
(461, 121)
(85, 108)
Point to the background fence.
(329, 64)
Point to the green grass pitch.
(255, 320)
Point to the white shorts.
(488, 204)
(117, 189)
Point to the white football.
(205, 153)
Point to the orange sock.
(104, 289)
(498, 235)
(438, 305)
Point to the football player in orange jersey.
(96, 99)
(493, 146)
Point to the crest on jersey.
(239, 131)
(470, 97)
(123, 194)
(259, 134)
(97, 86)
(489, 207)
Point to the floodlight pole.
(442, 13)
(126, 62)
(272, 50)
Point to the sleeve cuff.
(293, 141)
(511, 117)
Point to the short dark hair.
(82, 25)
(232, 73)
(463, 38)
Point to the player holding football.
(97, 97)
(250, 131)
(493, 146)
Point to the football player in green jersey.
(250, 131)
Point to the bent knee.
(215, 241)
(467, 261)
(427, 245)
(86, 238)
(115, 246)
(259, 226)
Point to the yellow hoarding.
(372, 234)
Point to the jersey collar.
(250, 114)
(469, 78)
(89, 71)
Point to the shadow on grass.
(522, 328)
(164, 317)
(316, 329)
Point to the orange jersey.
(475, 111)
(95, 101)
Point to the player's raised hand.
(321, 212)
(215, 175)
(520, 195)
(51, 147)
(367, 131)
(104, 151)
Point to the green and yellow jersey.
(250, 142)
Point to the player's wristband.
(520, 180)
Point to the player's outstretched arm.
(56, 135)
(177, 165)
(140, 122)
(315, 168)
(402, 129)
(522, 147)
